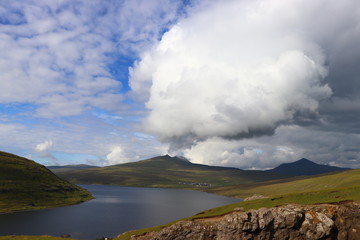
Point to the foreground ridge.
(322, 221)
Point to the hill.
(57, 169)
(26, 185)
(166, 171)
(328, 182)
(304, 167)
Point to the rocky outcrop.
(254, 197)
(324, 221)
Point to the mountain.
(304, 167)
(166, 171)
(57, 169)
(25, 185)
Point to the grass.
(311, 190)
(345, 179)
(26, 185)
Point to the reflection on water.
(115, 210)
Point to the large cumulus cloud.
(244, 68)
(232, 71)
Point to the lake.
(114, 210)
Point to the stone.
(265, 218)
(316, 225)
(293, 222)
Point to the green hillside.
(337, 180)
(166, 171)
(336, 187)
(57, 169)
(26, 185)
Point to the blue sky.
(64, 76)
(241, 83)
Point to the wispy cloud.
(56, 55)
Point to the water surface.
(114, 210)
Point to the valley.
(26, 185)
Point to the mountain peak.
(178, 158)
(304, 167)
(304, 160)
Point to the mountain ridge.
(174, 172)
(166, 171)
(305, 167)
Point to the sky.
(241, 83)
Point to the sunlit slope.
(166, 171)
(25, 185)
(340, 180)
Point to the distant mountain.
(166, 171)
(304, 167)
(57, 169)
(25, 184)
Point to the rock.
(239, 209)
(294, 222)
(348, 221)
(316, 225)
(265, 218)
(254, 197)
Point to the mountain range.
(166, 171)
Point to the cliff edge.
(322, 221)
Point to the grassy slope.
(167, 172)
(330, 181)
(57, 169)
(320, 189)
(26, 185)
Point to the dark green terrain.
(26, 185)
(305, 167)
(166, 171)
(57, 169)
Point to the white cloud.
(118, 156)
(232, 70)
(246, 154)
(58, 55)
(288, 144)
(44, 146)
